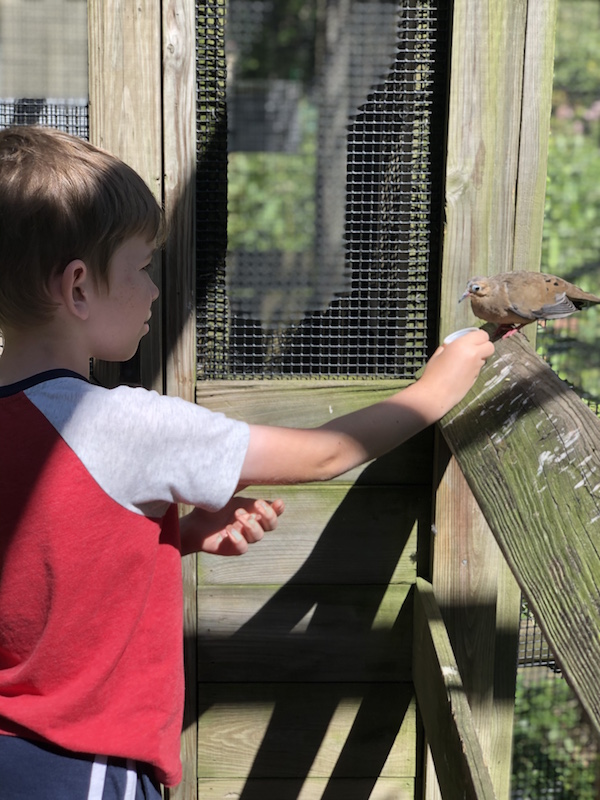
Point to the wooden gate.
(299, 657)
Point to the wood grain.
(311, 789)
(331, 535)
(178, 358)
(309, 403)
(125, 108)
(460, 766)
(179, 166)
(307, 731)
(530, 451)
(305, 633)
(498, 128)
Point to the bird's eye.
(475, 287)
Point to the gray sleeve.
(146, 450)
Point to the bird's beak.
(465, 294)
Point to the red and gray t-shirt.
(90, 571)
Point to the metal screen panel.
(70, 116)
(555, 750)
(328, 188)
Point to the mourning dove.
(515, 299)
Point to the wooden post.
(460, 765)
(529, 449)
(126, 119)
(179, 160)
(142, 109)
(500, 93)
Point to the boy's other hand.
(228, 532)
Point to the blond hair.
(62, 198)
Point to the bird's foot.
(504, 331)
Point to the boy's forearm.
(282, 455)
(292, 455)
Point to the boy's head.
(62, 199)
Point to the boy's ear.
(74, 287)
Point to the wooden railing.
(529, 449)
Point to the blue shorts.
(35, 771)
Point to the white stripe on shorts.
(97, 778)
(132, 777)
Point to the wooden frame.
(142, 108)
(498, 128)
(142, 95)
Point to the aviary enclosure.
(333, 171)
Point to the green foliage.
(577, 56)
(271, 196)
(571, 238)
(555, 754)
(285, 48)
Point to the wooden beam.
(179, 159)
(179, 298)
(530, 451)
(142, 109)
(459, 762)
(126, 119)
(499, 117)
(480, 603)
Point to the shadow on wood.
(323, 661)
(530, 451)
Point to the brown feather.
(519, 298)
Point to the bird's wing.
(562, 307)
(523, 312)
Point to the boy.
(91, 679)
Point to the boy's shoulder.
(144, 449)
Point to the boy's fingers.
(269, 512)
(278, 506)
(235, 543)
(224, 544)
(250, 526)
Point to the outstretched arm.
(290, 455)
(229, 531)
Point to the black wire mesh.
(70, 116)
(555, 748)
(336, 128)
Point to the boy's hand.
(229, 531)
(453, 368)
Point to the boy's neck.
(36, 351)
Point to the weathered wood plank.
(179, 164)
(530, 451)
(311, 789)
(178, 361)
(460, 767)
(331, 535)
(305, 403)
(307, 731)
(538, 70)
(126, 119)
(305, 633)
(309, 403)
(499, 115)
(483, 147)
(480, 604)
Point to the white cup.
(457, 334)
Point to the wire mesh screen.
(555, 750)
(319, 208)
(43, 48)
(69, 116)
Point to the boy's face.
(122, 313)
